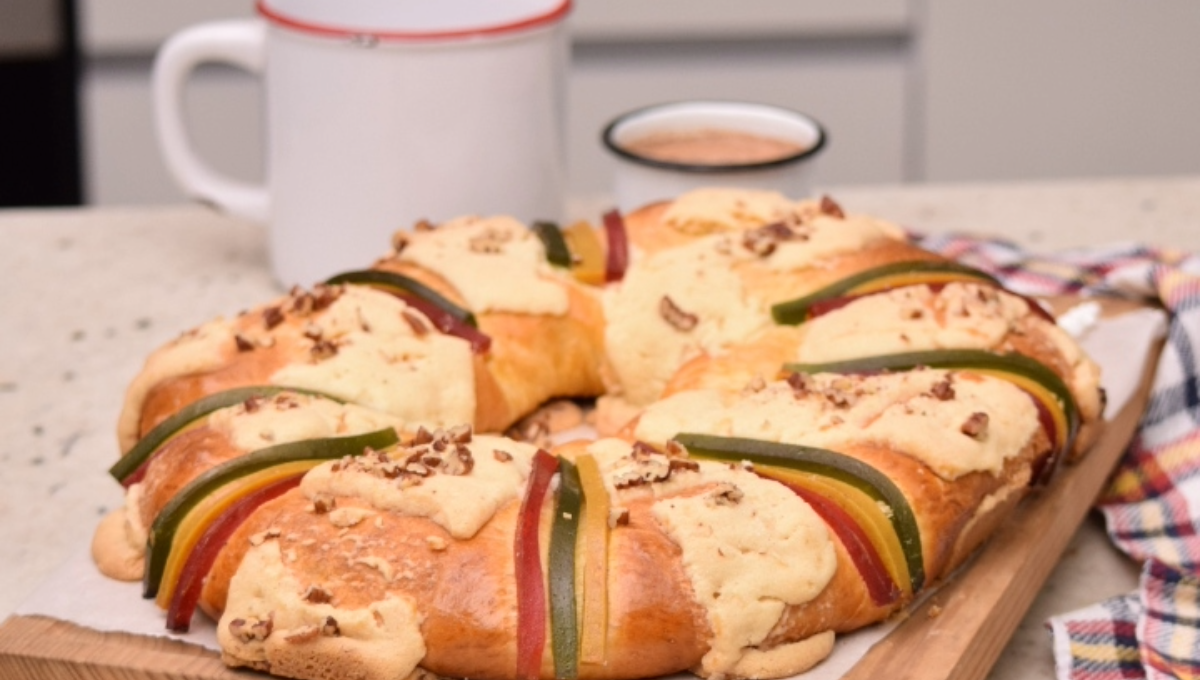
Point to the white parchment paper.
(77, 593)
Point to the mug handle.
(239, 43)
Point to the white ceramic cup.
(381, 113)
(639, 180)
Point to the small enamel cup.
(640, 180)
(381, 113)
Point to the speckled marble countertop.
(89, 292)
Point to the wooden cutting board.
(977, 611)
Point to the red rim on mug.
(300, 17)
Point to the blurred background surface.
(910, 90)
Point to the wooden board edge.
(42, 648)
(959, 632)
(955, 635)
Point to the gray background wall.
(911, 90)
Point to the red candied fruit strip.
(449, 324)
(527, 558)
(204, 555)
(882, 589)
(618, 246)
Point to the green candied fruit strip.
(795, 311)
(162, 531)
(145, 448)
(564, 630)
(405, 284)
(557, 252)
(829, 464)
(1011, 363)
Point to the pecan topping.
(330, 627)
(422, 436)
(272, 317)
(489, 241)
(253, 404)
(399, 242)
(976, 425)
(726, 494)
(439, 452)
(286, 402)
(840, 393)
(243, 343)
(646, 465)
(321, 297)
(324, 296)
(800, 383)
(675, 450)
(943, 390)
(322, 506)
(460, 434)
(323, 349)
(251, 629)
(317, 595)
(831, 208)
(678, 464)
(621, 520)
(642, 451)
(763, 240)
(672, 314)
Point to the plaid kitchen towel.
(1152, 508)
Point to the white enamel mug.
(381, 113)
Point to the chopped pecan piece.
(330, 627)
(620, 520)
(317, 595)
(976, 425)
(800, 383)
(460, 434)
(422, 436)
(672, 314)
(323, 349)
(678, 464)
(763, 240)
(272, 317)
(943, 390)
(727, 494)
(251, 629)
(489, 242)
(399, 241)
(243, 343)
(831, 208)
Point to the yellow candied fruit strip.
(594, 630)
(1043, 395)
(587, 252)
(207, 511)
(863, 510)
(911, 279)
